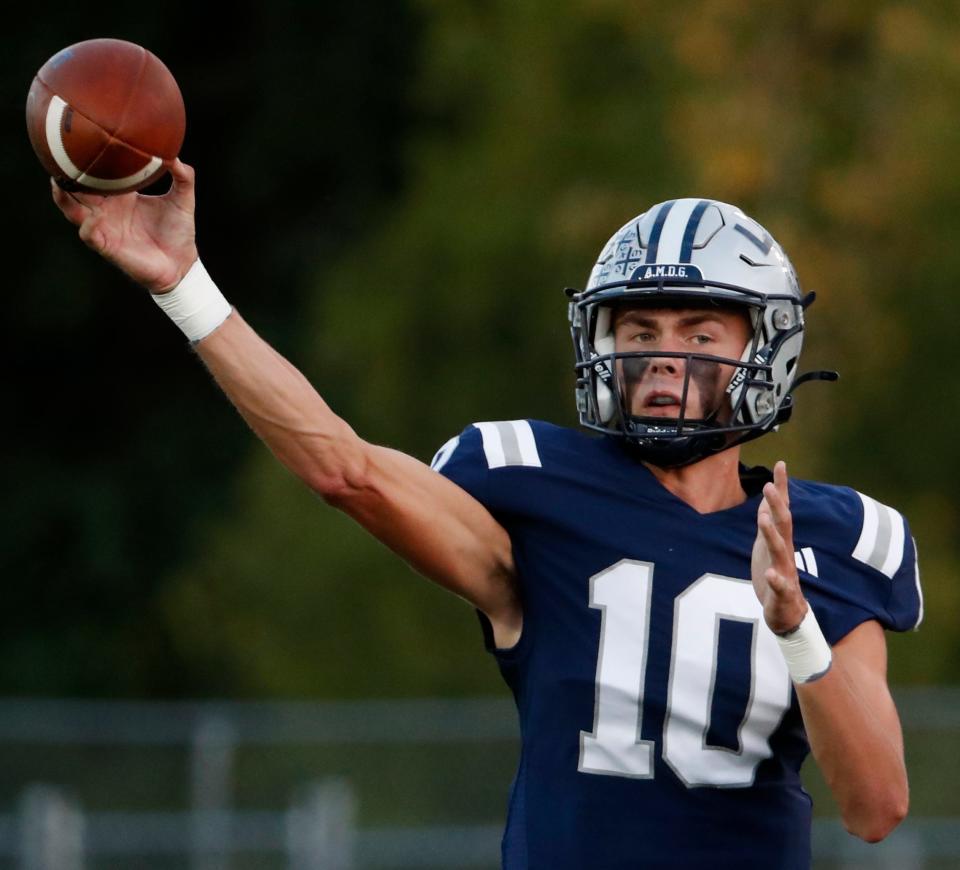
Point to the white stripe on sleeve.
(882, 537)
(868, 534)
(895, 553)
(528, 444)
(509, 443)
(492, 444)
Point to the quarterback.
(678, 630)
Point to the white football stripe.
(119, 183)
(55, 112)
(798, 558)
(54, 120)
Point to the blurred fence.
(342, 786)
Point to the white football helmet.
(692, 253)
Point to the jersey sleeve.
(484, 458)
(492, 461)
(904, 608)
(867, 566)
(461, 460)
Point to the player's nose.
(666, 365)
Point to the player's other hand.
(150, 238)
(773, 564)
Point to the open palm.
(150, 238)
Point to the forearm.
(855, 736)
(850, 718)
(435, 525)
(282, 407)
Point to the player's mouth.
(661, 402)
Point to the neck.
(712, 484)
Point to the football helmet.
(691, 253)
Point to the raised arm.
(433, 524)
(849, 715)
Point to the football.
(105, 116)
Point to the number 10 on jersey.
(623, 594)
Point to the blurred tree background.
(395, 195)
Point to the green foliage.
(551, 124)
(432, 298)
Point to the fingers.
(82, 210)
(184, 182)
(91, 233)
(776, 545)
(74, 204)
(780, 574)
(785, 608)
(182, 172)
(776, 495)
(777, 582)
(775, 523)
(72, 207)
(781, 481)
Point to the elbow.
(874, 820)
(336, 487)
(342, 472)
(333, 489)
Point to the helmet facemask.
(706, 401)
(693, 254)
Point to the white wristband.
(196, 304)
(806, 650)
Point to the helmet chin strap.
(690, 438)
(676, 452)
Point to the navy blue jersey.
(659, 726)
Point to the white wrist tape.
(806, 650)
(196, 304)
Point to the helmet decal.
(764, 244)
(653, 246)
(690, 232)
